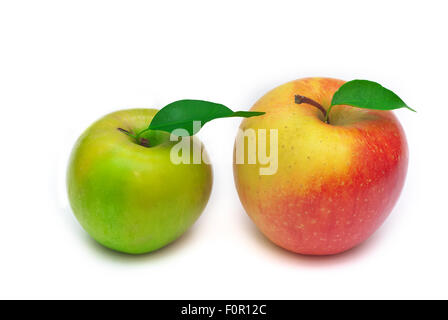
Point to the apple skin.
(128, 197)
(336, 183)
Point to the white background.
(64, 64)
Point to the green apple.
(131, 197)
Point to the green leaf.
(181, 115)
(368, 95)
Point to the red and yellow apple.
(336, 183)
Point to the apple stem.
(301, 99)
(141, 141)
(144, 142)
(126, 132)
